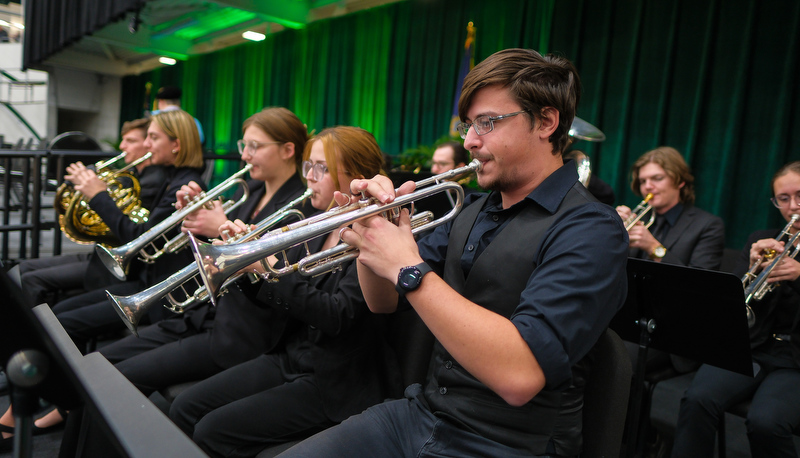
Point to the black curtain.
(59, 23)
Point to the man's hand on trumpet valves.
(641, 238)
(384, 246)
(85, 180)
(187, 192)
(624, 212)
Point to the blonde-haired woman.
(327, 360)
(173, 139)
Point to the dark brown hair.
(534, 81)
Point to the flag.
(467, 62)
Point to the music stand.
(694, 313)
(129, 423)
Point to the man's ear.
(549, 118)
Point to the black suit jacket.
(781, 303)
(696, 240)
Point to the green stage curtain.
(712, 78)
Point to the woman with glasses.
(328, 359)
(775, 342)
(206, 339)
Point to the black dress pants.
(160, 357)
(41, 278)
(773, 415)
(249, 407)
(91, 314)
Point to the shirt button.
(278, 301)
(471, 247)
(495, 218)
(442, 390)
(269, 296)
(448, 364)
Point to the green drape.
(712, 78)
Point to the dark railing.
(28, 180)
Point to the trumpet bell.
(130, 312)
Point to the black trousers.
(42, 277)
(249, 407)
(773, 415)
(91, 314)
(160, 357)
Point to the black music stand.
(122, 416)
(694, 313)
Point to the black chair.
(606, 397)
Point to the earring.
(174, 151)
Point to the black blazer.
(239, 321)
(126, 230)
(326, 320)
(777, 305)
(696, 240)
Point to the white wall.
(73, 99)
(30, 101)
(91, 100)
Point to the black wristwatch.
(410, 277)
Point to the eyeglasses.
(784, 200)
(319, 169)
(253, 145)
(483, 124)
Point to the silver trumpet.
(756, 286)
(218, 263)
(118, 259)
(183, 289)
(638, 213)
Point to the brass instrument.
(218, 263)
(638, 213)
(756, 286)
(83, 225)
(118, 259)
(132, 308)
(65, 192)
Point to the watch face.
(660, 251)
(410, 278)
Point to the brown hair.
(283, 126)
(353, 148)
(142, 124)
(460, 154)
(790, 167)
(673, 164)
(534, 81)
(180, 125)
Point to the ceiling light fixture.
(4, 23)
(167, 60)
(253, 36)
(18, 25)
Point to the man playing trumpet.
(682, 233)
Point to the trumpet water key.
(118, 259)
(218, 263)
(184, 289)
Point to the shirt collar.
(673, 213)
